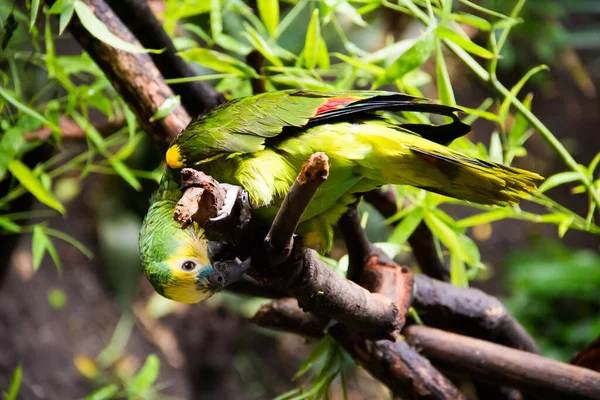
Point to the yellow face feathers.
(187, 264)
(174, 159)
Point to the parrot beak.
(226, 272)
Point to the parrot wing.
(244, 125)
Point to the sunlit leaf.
(559, 179)
(323, 55)
(35, 6)
(445, 91)
(458, 271)
(9, 225)
(261, 45)
(33, 185)
(495, 150)
(311, 43)
(413, 58)
(269, 14)
(473, 20)
(463, 42)
(406, 227)
(100, 31)
(218, 61)
(38, 246)
(147, 375)
(15, 384)
(104, 393)
(168, 106)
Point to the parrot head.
(182, 264)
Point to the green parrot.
(259, 143)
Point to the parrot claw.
(233, 194)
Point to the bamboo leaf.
(15, 384)
(464, 43)
(414, 57)
(104, 393)
(168, 106)
(100, 31)
(38, 246)
(311, 43)
(445, 91)
(218, 61)
(34, 185)
(559, 179)
(27, 110)
(503, 111)
(269, 14)
(405, 228)
(35, 6)
(147, 375)
(261, 45)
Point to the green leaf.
(10, 143)
(166, 108)
(503, 111)
(405, 228)
(485, 217)
(34, 185)
(473, 20)
(464, 43)
(495, 150)
(269, 14)
(9, 225)
(447, 236)
(38, 246)
(35, 6)
(311, 43)
(361, 65)
(65, 15)
(216, 18)
(27, 110)
(323, 55)
(57, 299)
(104, 393)
(100, 31)
(15, 384)
(458, 271)
(261, 45)
(320, 348)
(219, 62)
(518, 132)
(147, 375)
(445, 91)
(414, 57)
(559, 179)
(71, 240)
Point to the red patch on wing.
(334, 104)
(430, 159)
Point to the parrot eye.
(188, 266)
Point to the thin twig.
(279, 240)
(533, 374)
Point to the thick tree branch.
(469, 311)
(533, 374)
(197, 97)
(421, 241)
(285, 315)
(408, 374)
(134, 76)
(360, 249)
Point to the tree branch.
(533, 374)
(196, 97)
(279, 240)
(285, 315)
(469, 311)
(134, 76)
(408, 374)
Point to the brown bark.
(531, 373)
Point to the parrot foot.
(234, 194)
